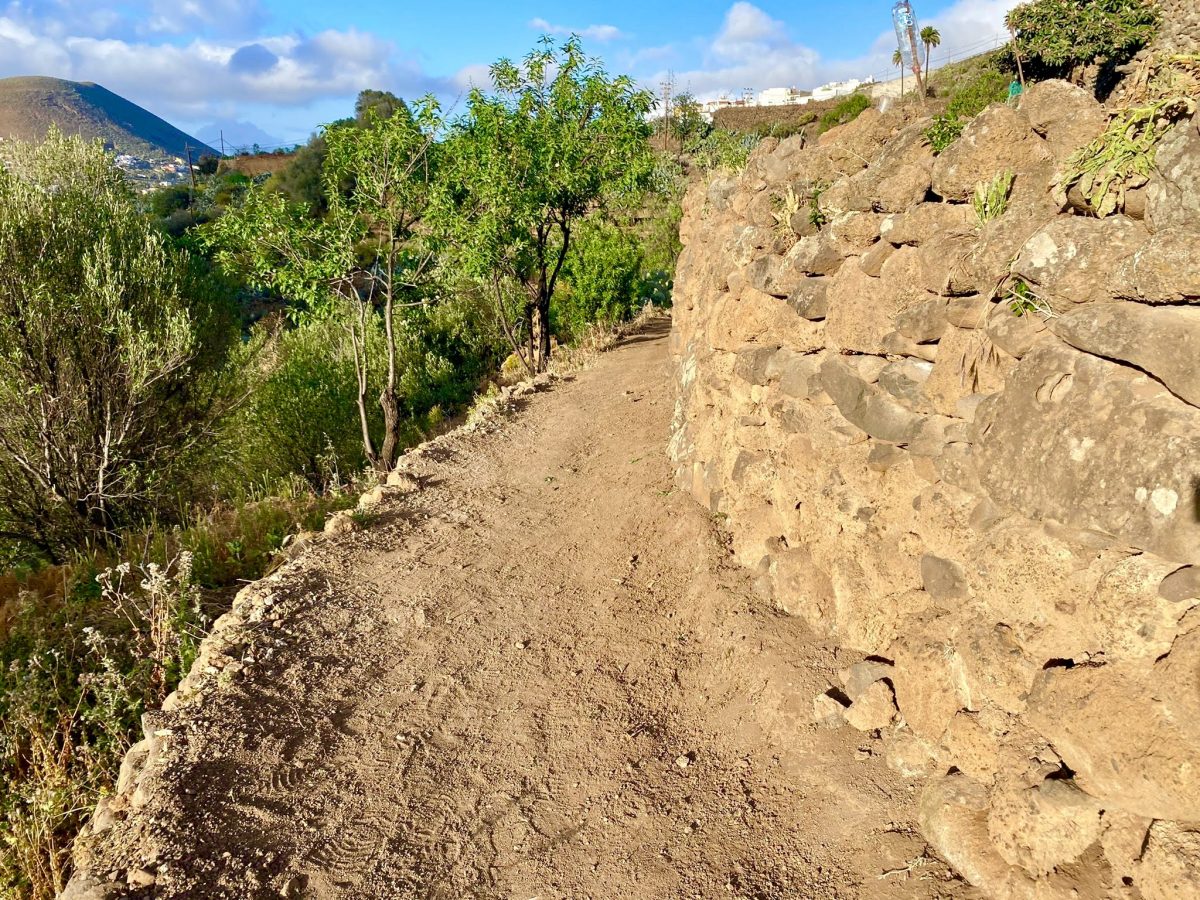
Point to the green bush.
(944, 131)
(846, 111)
(1065, 35)
(113, 369)
(602, 278)
(976, 94)
(722, 150)
(301, 418)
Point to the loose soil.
(540, 676)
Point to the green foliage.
(112, 372)
(944, 131)
(970, 86)
(846, 111)
(722, 151)
(817, 216)
(991, 197)
(601, 276)
(301, 181)
(1123, 156)
(931, 38)
(1024, 301)
(86, 648)
(176, 209)
(528, 162)
(301, 417)
(362, 260)
(687, 121)
(1069, 33)
(974, 95)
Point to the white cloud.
(601, 33)
(753, 50)
(208, 76)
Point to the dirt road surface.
(539, 677)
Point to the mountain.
(238, 135)
(29, 105)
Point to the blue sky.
(287, 66)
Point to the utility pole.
(222, 143)
(668, 88)
(191, 173)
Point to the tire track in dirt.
(539, 677)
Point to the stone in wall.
(1097, 446)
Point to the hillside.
(30, 105)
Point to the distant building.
(784, 96)
(780, 96)
(840, 88)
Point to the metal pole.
(191, 171)
(1017, 54)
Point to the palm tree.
(898, 60)
(931, 37)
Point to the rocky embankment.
(1000, 512)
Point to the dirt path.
(539, 677)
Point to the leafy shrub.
(977, 94)
(301, 417)
(846, 111)
(601, 278)
(113, 367)
(1065, 35)
(722, 150)
(944, 131)
(1123, 155)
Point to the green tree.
(1074, 34)
(527, 163)
(362, 259)
(384, 104)
(931, 38)
(112, 361)
(688, 120)
(898, 60)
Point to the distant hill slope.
(29, 105)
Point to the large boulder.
(1044, 827)
(1170, 864)
(999, 241)
(931, 683)
(999, 139)
(898, 178)
(1066, 115)
(1166, 269)
(1073, 259)
(1123, 736)
(1164, 341)
(860, 308)
(1173, 196)
(923, 222)
(752, 316)
(1096, 446)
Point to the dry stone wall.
(1000, 512)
